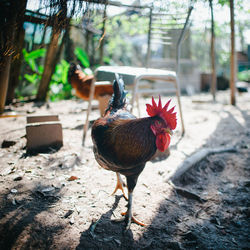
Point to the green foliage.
(239, 4)
(30, 57)
(32, 78)
(82, 57)
(223, 2)
(59, 86)
(244, 75)
(33, 72)
(119, 33)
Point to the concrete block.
(43, 134)
(103, 103)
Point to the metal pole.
(212, 50)
(149, 38)
(180, 40)
(232, 60)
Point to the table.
(131, 77)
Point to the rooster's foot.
(119, 185)
(132, 219)
(126, 218)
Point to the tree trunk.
(16, 65)
(232, 59)
(49, 65)
(214, 83)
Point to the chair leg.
(134, 92)
(86, 125)
(180, 108)
(138, 105)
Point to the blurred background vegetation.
(123, 41)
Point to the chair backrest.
(166, 29)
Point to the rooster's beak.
(168, 130)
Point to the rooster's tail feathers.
(118, 99)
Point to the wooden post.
(232, 58)
(16, 65)
(4, 79)
(214, 83)
(149, 38)
(49, 65)
(43, 36)
(60, 22)
(69, 47)
(12, 13)
(33, 36)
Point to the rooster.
(82, 82)
(123, 143)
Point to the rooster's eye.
(158, 123)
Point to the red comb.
(167, 115)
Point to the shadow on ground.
(220, 222)
(24, 222)
(180, 222)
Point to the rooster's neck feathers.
(167, 115)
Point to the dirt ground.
(41, 207)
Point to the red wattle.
(162, 141)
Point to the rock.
(18, 178)
(7, 144)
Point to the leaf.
(25, 54)
(32, 64)
(73, 178)
(40, 69)
(37, 53)
(31, 78)
(30, 57)
(65, 67)
(82, 57)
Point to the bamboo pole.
(232, 59)
(101, 42)
(214, 83)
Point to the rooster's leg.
(131, 183)
(119, 185)
(129, 215)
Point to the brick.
(42, 118)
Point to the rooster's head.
(162, 128)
